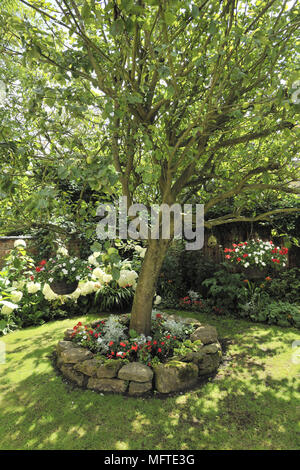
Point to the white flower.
(140, 250)
(107, 277)
(33, 287)
(87, 287)
(157, 300)
(127, 277)
(6, 310)
(20, 243)
(64, 271)
(16, 296)
(246, 265)
(18, 284)
(48, 293)
(98, 273)
(77, 293)
(63, 251)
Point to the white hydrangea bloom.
(140, 250)
(127, 277)
(98, 273)
(6, 310)
(33, 287)
(87, 287)
(63, 251)
(48, 293)
(20, 243)
(77, 293)
(16, 296)
(107, 277)
(92, 260)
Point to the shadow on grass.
(42, 412)
(245, 406)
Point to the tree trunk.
(143, 299)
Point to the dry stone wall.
(81, 366)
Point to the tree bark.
(143, 299)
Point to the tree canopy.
(158, 99)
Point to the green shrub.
(196, 268)
(283, 314)
(225, 289)
(285, 286)
(171, 283)
(113, 298)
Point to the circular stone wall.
(81, 366)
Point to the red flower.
(123, 345)
(158, 315)
(245, 255)
(32, 278)
(168, 337)
(38, 269)
(111, 343)
(43, 262)
(239, 259)
(159, 350)
(162, 343)
(228, 256)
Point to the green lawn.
(253, 402)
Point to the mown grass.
(252, 403)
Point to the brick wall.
(7, 244)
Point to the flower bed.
(256, 254)
(106, 356)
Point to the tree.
(194, 97)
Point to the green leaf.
(117, 27)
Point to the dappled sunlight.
(121, 445)
(251, 405)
